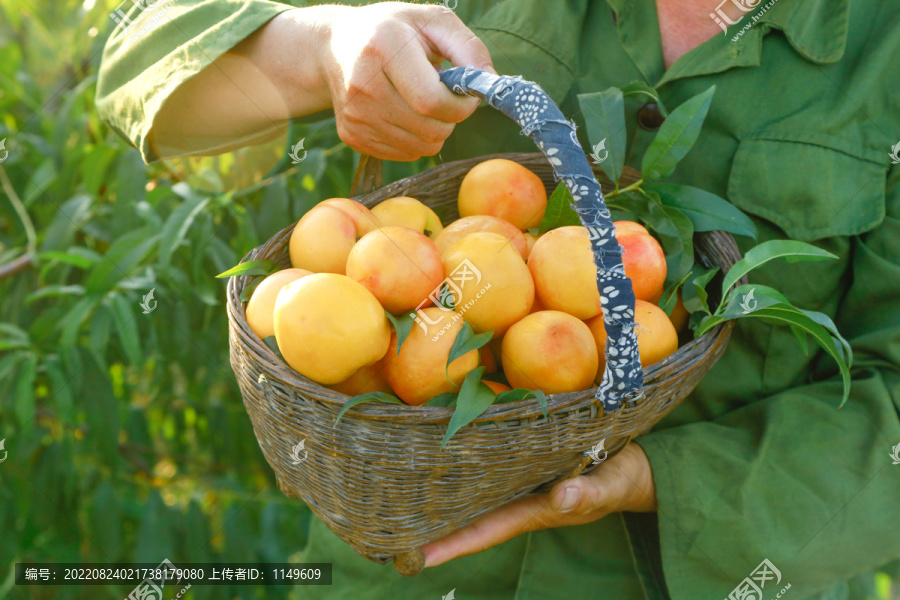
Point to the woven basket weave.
(380, 480)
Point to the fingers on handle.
(450, 38)
(415, 78)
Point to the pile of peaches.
(488, 271)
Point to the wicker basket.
(380, 480)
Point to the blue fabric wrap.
(540, 119)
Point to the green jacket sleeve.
(152, 52)
(791, 478)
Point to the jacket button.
(649, 116)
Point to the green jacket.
(758, 463)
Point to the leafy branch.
(675, 212)
(766, 303)
(30, 256)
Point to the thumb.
(451, 39)
(580, 495)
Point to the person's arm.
(220, 74)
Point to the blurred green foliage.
(126, 435)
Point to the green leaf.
(177, 225)
(465, 342)
(559, 210)
(119, 260)
(68, 220)
(381, 397)
(760, 291)
(60, 387)
(252, 267)
(101, 408)
(641, 89)
(676, 234)
(98, 330)
(474, 398)
(24, 395)
(785, 314)
(789, 251)
(523, 394)
(126, 329)
(272, 343)
(8, 363)
(697, 299)
(105, 518)
(706, 211)
(604, 116)
(247, 291)
(826, 322)
(13, 336)
(781, 313)
(670, 295)
(79, 259)
(73, 320)
(800, 337)
(54, 291)
(750, 297)
(154, 536)
(96, 162)
(448, 399)
(402, 325)
(676, 136)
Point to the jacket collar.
(816, 29)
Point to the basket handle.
(368, 177)
(532, 109)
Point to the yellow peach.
(322, 240)
(550, 351)
(493, 287)
(462, 227)
(400, 266)
(327, 326)
(565, 277)
(404, 211)
(260, 311)
(419, 372)
(362, 217)
(365, 380)
(505, 189)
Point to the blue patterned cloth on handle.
(528, 105)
